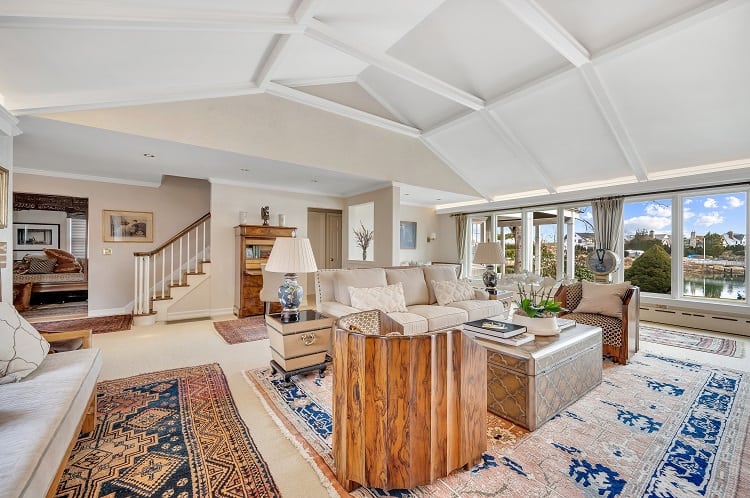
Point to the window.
(508, 232)
(648, 245)
(714, 233)
(77, 227)
(477, 230)
(583, 241)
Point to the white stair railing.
(157, 271)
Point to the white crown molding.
(90, 178)
(503, 131)
(272, 61)
(78, 102)
(340, 109)
(294, 190)
(329, 80)
(8, 123)
(435, 149)
(536, 18)
(614, 121)
(324, 34)
(198, 22)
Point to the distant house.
(733, 239)
(665, 238)
(584, 239)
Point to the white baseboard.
(188, 315)
(125, 310)
(221, 312)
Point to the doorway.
(324, 232)
(50, 256)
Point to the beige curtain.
(461, 236)
(607, 215)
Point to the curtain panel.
(461, 236)
(608, 218)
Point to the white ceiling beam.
(340, 109)
(306, 9)
(324, 34)
(82, 102)
(435, 149)
(325, 80)
(614, 121)
(549, 30)
(383, 101)
(244, 24)
(8, 122)
(272, 61)
(503, 131)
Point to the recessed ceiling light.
(314, 181)
(148, 155)
(407, 193)
(439, 199)
(245, 169)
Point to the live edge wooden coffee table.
(531, 383)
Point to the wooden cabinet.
(253, 245)
(300, 345)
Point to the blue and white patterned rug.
(657, 427)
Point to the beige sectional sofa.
(422, 313)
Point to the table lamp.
(489, 254)
(291, 256)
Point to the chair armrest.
(481, 295)
(561, 295)
(84, 335)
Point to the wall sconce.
(432, 237)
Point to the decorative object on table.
(265, 213)
(363, 238)
(127, 226)
(489, 254)
(282, 220)
(3, 197)
(495, 328)
(537, 310)
(408, 235)
(291, 256)
(603, 262)
(36, 236)
(243, 217)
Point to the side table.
(299, 346)
(506, 297)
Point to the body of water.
(723, 288)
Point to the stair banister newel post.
(187, 247)
(163, 268)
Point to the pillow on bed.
(66, 262)
(41, 265)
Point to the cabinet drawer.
(301, 343)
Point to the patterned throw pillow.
(387, 299)
(66, 262)
(41, 265)
(451, 291)
(22, 349)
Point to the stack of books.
(498, 331)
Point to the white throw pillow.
(451, 291)
(387, 299)
(604, 299)
(22, 349)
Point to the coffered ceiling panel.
(160, 8)
(349, 94)
(308, 59)
(411, 103)
(597, 24)
(691, 109)
(478, 46)
(569, 136)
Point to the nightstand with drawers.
(301, 345)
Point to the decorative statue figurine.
(265, 213)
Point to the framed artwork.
(408, 235)
(3, 197)
(36, 236)
(127, 226)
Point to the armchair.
(619, 335)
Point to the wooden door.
(333, 241)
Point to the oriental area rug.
(174, 433)
(252, 328)
(97, 324)
(688, 340)
(656, 427)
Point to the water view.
(723, 288)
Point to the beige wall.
(445, 245)
(427, 223)
(6, 234)
(175, 204)
(386, 239)
(226, 203)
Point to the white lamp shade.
(488, 253)
(291, 255)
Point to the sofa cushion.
(450, 291)
(479, 309)
(611, 327)
(438, 272)
(364, 277)
(604, 299)
(387, 298)
(440, 317)
(40, 418)
(415, 286)
(413, 324)
(22, 349)
(66, 262)
(41, 265)
(336, 309)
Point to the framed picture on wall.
(36, 236)
(408, 235)
(127, 226)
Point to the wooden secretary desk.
(253, 244)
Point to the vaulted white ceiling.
(466, 99)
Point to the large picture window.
(648, 245)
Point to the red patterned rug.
(174, 433)
(98, 324)
(252, 328)
(688, 340)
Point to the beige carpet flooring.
(159, 347)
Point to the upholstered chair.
(619, 335)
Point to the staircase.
(166, 275)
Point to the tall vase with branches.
(363, 237)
